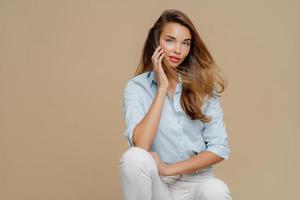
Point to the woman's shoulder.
(140, 78)
(138, 82)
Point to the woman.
(174, 118)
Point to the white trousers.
(140, 180)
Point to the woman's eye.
(185, 43)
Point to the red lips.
(174, 57)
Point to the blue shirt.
(178, 137)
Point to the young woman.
(174, 118)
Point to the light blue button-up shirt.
(178, 137)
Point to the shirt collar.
(151, 78)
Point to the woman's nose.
(177, 48)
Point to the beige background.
(63, 68)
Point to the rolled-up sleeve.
(133, 111)
(214, 133)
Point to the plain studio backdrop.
(63, 68)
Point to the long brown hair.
(200, 75)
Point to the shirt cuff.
(221, 150)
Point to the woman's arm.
(195, 163)
(146, 129)
(215, 137)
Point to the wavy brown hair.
(201, 77)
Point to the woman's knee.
(213, 188)
(136, 158)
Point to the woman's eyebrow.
(175, 38)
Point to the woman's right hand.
(160, 75)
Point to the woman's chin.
(174, 65)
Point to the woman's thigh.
(211, 188)
(179, 188)
(139, 177)
(198, 188)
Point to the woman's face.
(175, 39)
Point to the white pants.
(140, 180)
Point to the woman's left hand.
(162, 167)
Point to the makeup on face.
(176, 41)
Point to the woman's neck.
(171, 80)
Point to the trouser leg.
(139, 177)
(211, 188)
